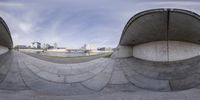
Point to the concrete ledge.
(123, 52)
(3, 50)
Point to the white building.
(89, 47)
(55, 45)
(36, 45)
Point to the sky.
(73, 23)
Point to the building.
(89, 47)
(105, 49)
(55, 45)
(21, 47)
(48, 46)
(36, 45)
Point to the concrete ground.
(23, 77)
(138, 95)
(64, 60)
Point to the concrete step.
(63, 75)
(13, 80)
(146, 82)
(163, 71)
(5, 66)
(118, 76)
(100, 80)
(189, 82)
(43, 86)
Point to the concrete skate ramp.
(161, 24)
(5, 37)
(104, 75)
(167, 27)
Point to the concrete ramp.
(131, 74)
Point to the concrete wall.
(3, 50)
(5, 37)
(123, 51)
(161, 25)
(158, 51)
(155, 51)
(182, 50)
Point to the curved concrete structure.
(160, 25)
(5, 37)
(162, 49)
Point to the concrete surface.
(26, 77)
(5, 37)
(3, 50)
(192, 94)
(166, 51)
(145, 28)
(161, 25)
(123, 52)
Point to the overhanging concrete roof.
(162, 24)
(5, 37)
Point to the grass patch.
(107, 55)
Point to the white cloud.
(11, 4)
(26, 27)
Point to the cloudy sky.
(72, 23)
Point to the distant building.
(21, 47)
(48, 46)
(43, 46)
(55, 45)
(36, 45)
(105, 49)
(84, 47)
(88, 47)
